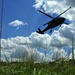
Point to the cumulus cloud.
(17, 23)
(59, 38)
(58, 54)
(56, 41)
(27, 47)
(57, 6)
(20, 46)
(70, 56)
(36, 40)
(18, 49)
(38, 3)
(72, 2)
(63, 36)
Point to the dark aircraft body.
(53, 23)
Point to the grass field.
(30, 68)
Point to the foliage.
(30, 68)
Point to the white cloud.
(38, 3)
(70, 56)
(58, 54)
(17, 23)
(12, 48)
(25, 47)
(63, 36)
(39, 40)
(57, 6)
(58, 40)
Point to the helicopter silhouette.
(53, 23)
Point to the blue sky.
(21, 10)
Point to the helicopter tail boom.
(39, 31)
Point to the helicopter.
(53, 23)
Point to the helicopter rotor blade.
(46, 23)
(64, 12)
(45, 13)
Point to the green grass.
(29, 68)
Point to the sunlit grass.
(30, 68)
